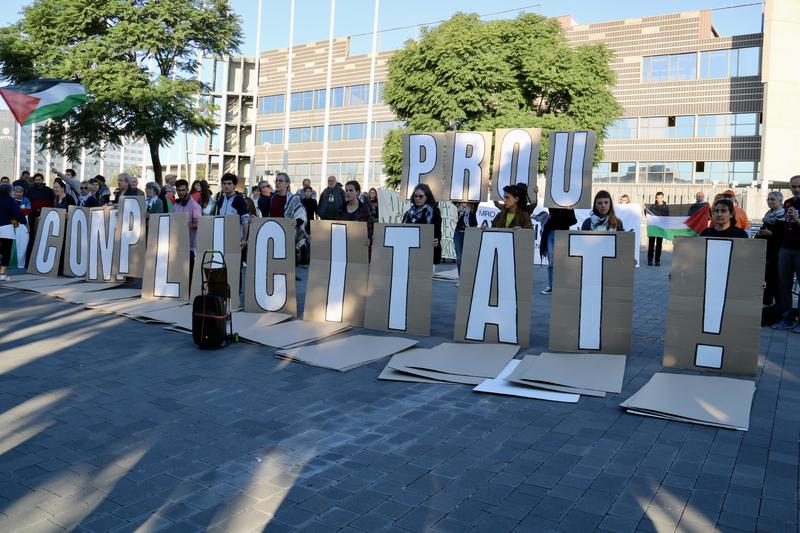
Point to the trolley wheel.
(235, 337)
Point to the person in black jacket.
(559, 219)
(724, 222)
(424, 210)
(331, 200)
(10, 215)
(661, 209)
(772, 231)
(467, 218)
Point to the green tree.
(471, 75)
(110, 45)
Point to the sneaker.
(4, 277)
(658, 263)
(783, 324)
(649, 262)
(548, 290)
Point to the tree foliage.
(136, 59)
(471, 75)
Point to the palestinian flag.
(38, 100)
(668, 227)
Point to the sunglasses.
(419, 196)
(281, 181)
(84, 188)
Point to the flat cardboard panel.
(400, 300)
(348, 352)
(292, 333)
(466, 166)
(526, 363)
(602, 372)
(166, 272)
(580, 269)
(102, 296)
(484, 361)
(50, 231)
(423, 162)
(76, 243)
(390, 374)
(270, 260)
(709, 400)
(220, 233)
(48, 282)
(568, 176)
(130, 236)
(739, 300)
(502, 385)
(339, 272)
(516, 159)
(102, 227)
(503, 258)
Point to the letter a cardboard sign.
(400, 282)
(50, 232)
(516, 158)
(714, 312)
(102, 226)
(166, 264)
(494, 295)
(423, 162)
(76, 245)
(131, 237)
(466, 165)
(569, 169)
(592, 306)
(220, 233)
(270, 275)
(338, 275)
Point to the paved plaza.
(108, 424)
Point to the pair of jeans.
(654, 242)
(551, 244)
(788, 268)
(458, 242)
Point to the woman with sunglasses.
(424, 210)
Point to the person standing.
(559, 219)
(424, 210)
(699, 203)
(25, 181)
(10, 217)
(373, 203)
(515, 212)
(602, 217)
(21, 233)
(302, 192)
(355, 209)
(61, 200)
(772, 231)
(789, 256)
(184, 203)
(86, 197)
(661, 209)
(740, 218)
(152, 202)
(264, 195)
(331, 200)
(103, 193)
(125, 188)
(310, 205)
(467, 218)
(284, 204)
(230, 202)
(724, 218)
(40, 196)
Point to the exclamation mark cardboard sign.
(714, 314)
(592, 303)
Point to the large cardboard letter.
(494, 296)
(130, 237)
(423, 162)
(102, 226)
(400, 281)
(592, 304)
(220, 233)
(714, 313)
(49, 241)
(466, 165)
(569, 169)
(516, 158)
(166, 265)
(77, 242)
(270, 283)
(337, 278)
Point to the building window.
(729, 63)
(727, 172)
(355, 131)
(317, 133)
(669, 67)
(335, 132)
(270, 104)
(302, 101)
(382, 129)
(299, 135)
(356, 94)
(622, 128)
(615, 172)
(379, 93)
(663, 127)
(667, 172)
(730, 125)
(337, 98)
(270, 136)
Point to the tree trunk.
(155, 157)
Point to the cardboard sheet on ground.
(494, 296)
(348, 352)
(501, 385)
(292, 333)
(270, 276)
(102, 228)
(166, 269)
(338, 273)
(136, 307)
(130, 236)
(714, 311)
(76, 242)
(50, 231)
(708, 400)
(599, 372)
(19, 278)
(80, 288)
(102, 296)
(390, 374)
(43, 283)
(568, 176)
(462, 363)
(220, 233)
(400, 286)
(592, 301)
(446, 274)
(523, 367)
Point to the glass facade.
(735, 125)
(270, 104)
(336, 132)
(738, 172)
(683, 126)
(729, 63)
(270, 136)
(622, 128)
(664, 127)
(615, 172)
(665, 172)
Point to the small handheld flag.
(38, 100)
